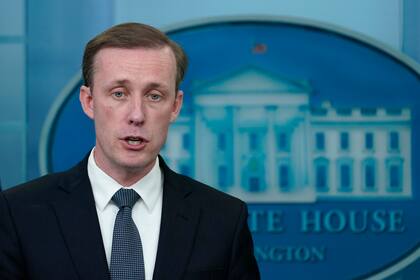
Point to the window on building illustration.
(344, 140)
(186, 141)
(254, 184)
(282, 141)
(394, 141)
(369, 141)
(319, 111)
(284, 180)
(185, 170)
(368, 111)
(345, 177)
(343, 111)
(222, 176)
(321, 177)
(394, 111)
(221, 141)
(253, 141)
(320, 141)
(395, 177)
(369, 175)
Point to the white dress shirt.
(146, 212)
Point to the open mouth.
(131, 140)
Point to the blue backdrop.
(341, 69)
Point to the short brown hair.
(129, 36)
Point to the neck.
(124, 175)
(128, 178)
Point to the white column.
(236, 149)
(198, 153)
(271, 149)
(297, 161)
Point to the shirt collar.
(104, 186)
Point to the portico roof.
(250, 79)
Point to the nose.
(136, 112)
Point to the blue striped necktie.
(127, 253)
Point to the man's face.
(132, 102)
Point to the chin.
(135, 164)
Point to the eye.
(118, 94)
(154, 97)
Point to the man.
(121, 213)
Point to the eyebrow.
(157, 85)
(122, 82)
(125, 82)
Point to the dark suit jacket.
(49, 229)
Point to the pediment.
(250, 79)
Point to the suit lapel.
(178, 227)
(78, 219)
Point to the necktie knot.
(125, 198)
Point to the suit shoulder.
(47, 186)
(34, 187)
(199, 192)
(211, 197)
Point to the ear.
(86, 100)
(177, 105)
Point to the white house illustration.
(257, 136)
